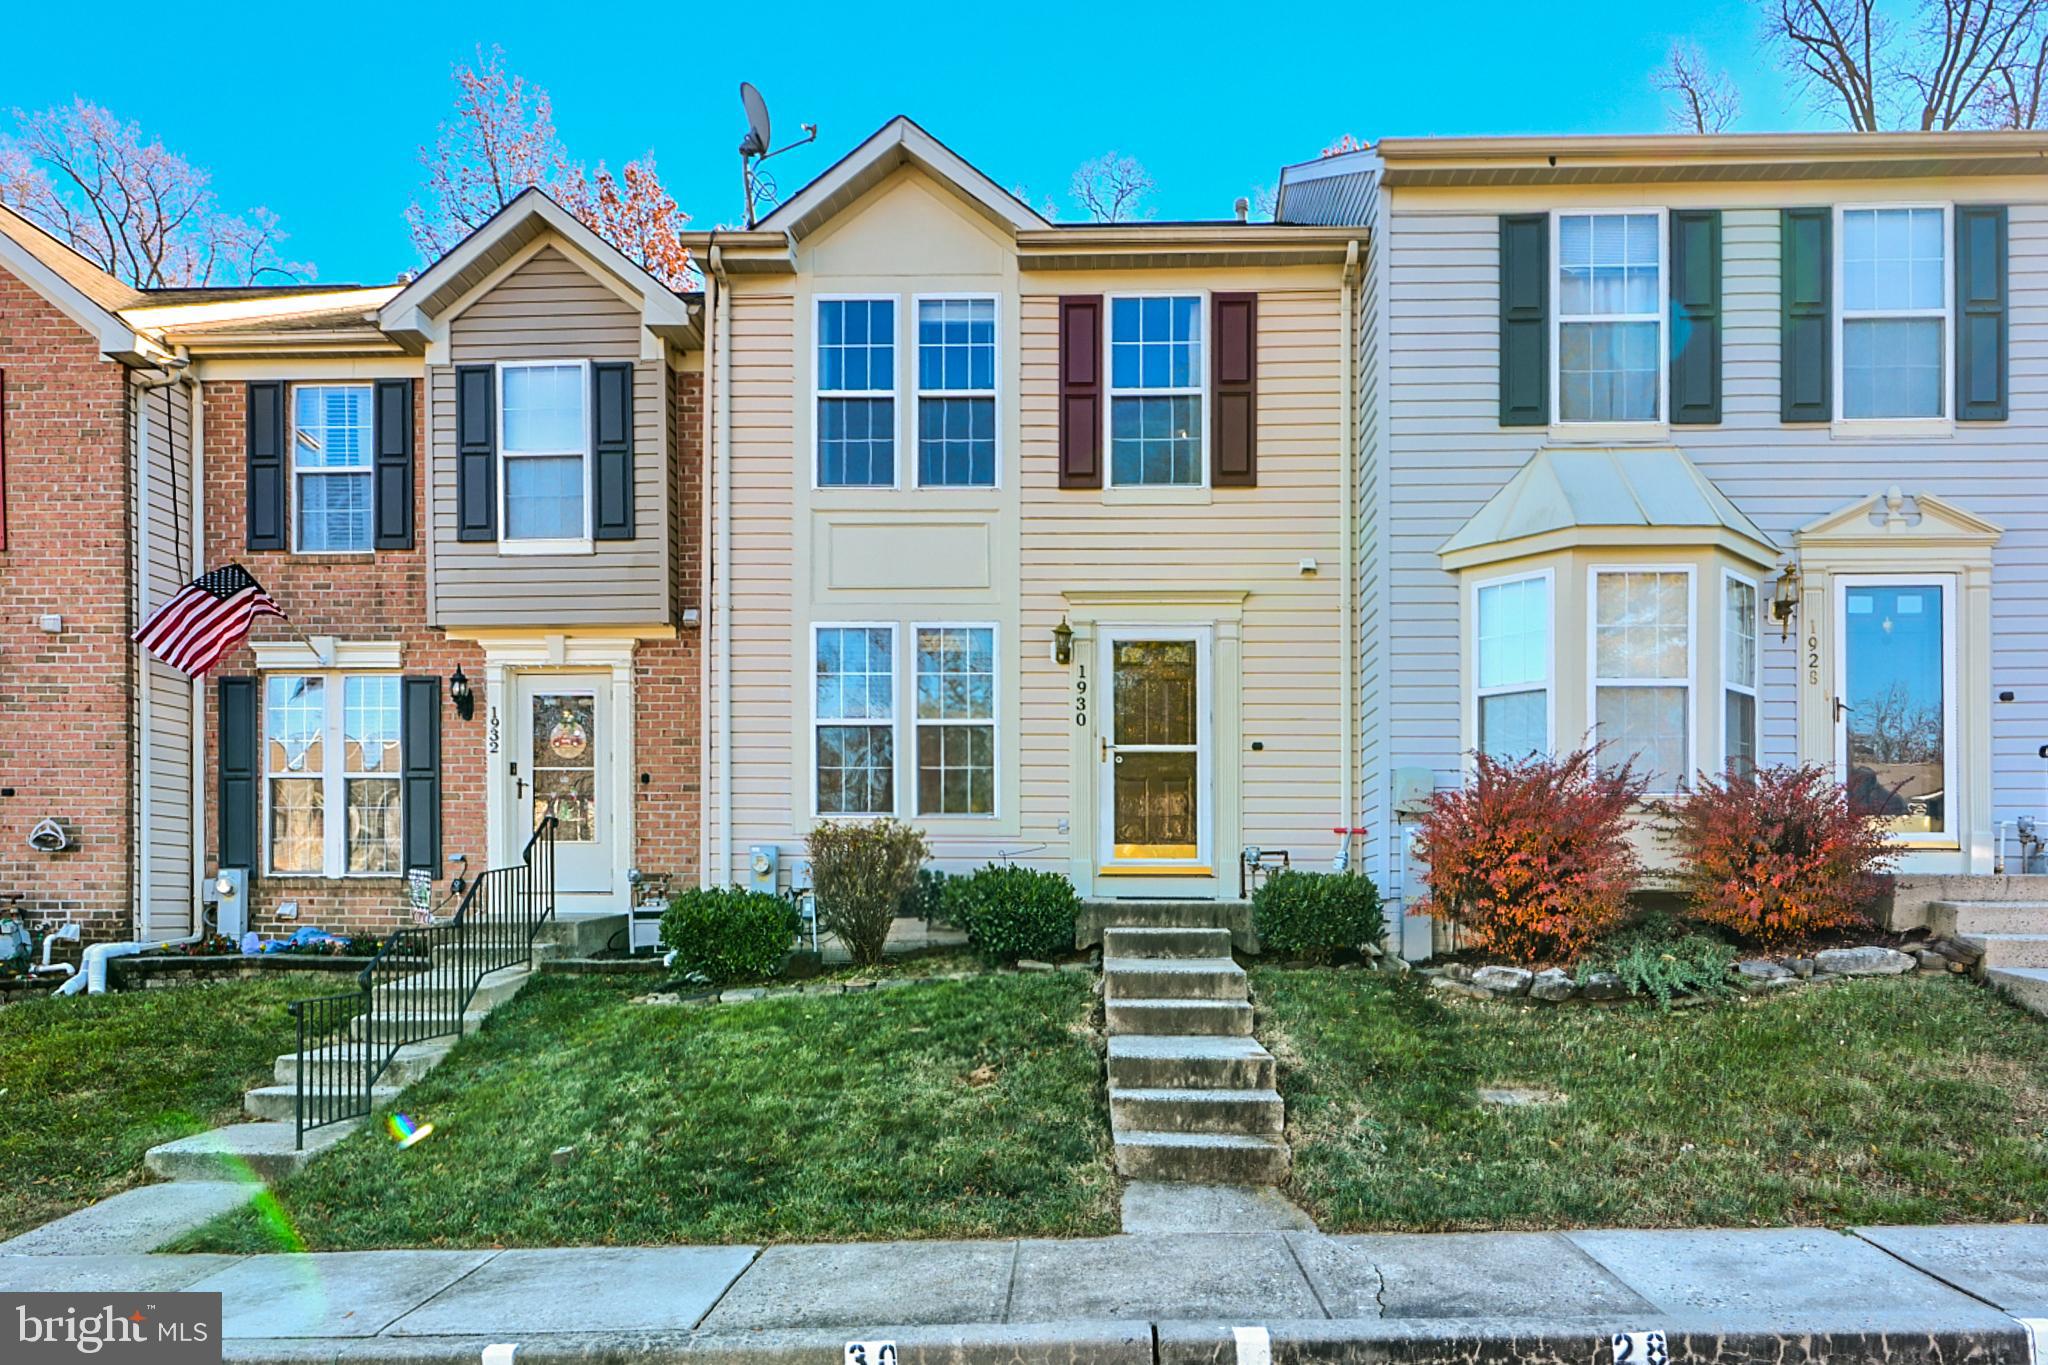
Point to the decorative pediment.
(1895, 517)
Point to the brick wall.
(65, 699)
(667, 675)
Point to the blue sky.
(317, 112)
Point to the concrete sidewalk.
(1938, 1295)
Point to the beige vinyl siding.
(1448, 454)
(767, 682)
(1243, 539)
(1373, 787)
(167, 897)
(550, 308)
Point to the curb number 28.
(1636, 1348)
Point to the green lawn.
(959, 1109)
(90, 1083)
(1884, 1101)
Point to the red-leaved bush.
(1778, 857)
(1531, 859)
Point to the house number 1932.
(1081, 695)
(493, 730)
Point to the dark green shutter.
(1983, 336)
(1806, 381)
(239, 746)
(266, 465)
(1695, 316)
(612, 446)
(1525, 320)
(476, 452)
(391, 494)
(420, 762)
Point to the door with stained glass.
(1895, 710)
(560, 767)
(1154, 747)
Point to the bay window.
(1642, 672)
(332, 776)
(1894, 315)
(1610, 317)
(1511, 662)
(1738, 675)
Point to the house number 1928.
(1081, 695)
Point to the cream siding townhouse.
(1722, 450)
(1033, 535)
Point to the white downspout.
(721, 416)
(1347, 523)
(706, 741)
(196, 456)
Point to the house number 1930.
(1081, 695)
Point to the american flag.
(208, 617)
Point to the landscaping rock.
(1868, 961)
(1518, 1097)
(562, 1156)
(1762, 969)
(1460, 971)
(1553, 984)
(1395, 966)
(1603, 986)
(1031, 964)
(1802, 967)
(1503, 981)
(734, 997)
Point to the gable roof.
(414, 315)
(1895, 515)
(81, 290)
(1676, 157)
(899, 142)
(1599, 495)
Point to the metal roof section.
(1568, 496)
(1328, 191)
(1681, 157)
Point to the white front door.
(1155, 793)
(1895, 733)
(561, 766)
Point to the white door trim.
(1203, 638)
(1952, 796)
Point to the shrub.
(728, 934)
(1531, 859)
(1317, 915)
(1663, 966)
(1778, 857)
(1008, 912)
(861, 871)
(926, 896)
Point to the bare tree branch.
(1700, 99)
(1949, 64)
(1112, 188)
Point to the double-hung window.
(956, 720)
(332, 778)
(331, 467)
(854, 710)
(1610, 317)
(1511, 659)
(856, 393)
(956, 393)
(544, 421)
(1894, 313)
(1642, 672)
(1738, 675)
(1156, 390)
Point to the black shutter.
(392, 495)
(612, 446)
(1695, 316)
(1081, 391)
(1234, 392)
(266, 471)
(420, 758)
(1806, 383)
(476, 452)
(1525, 320)
(1983, 336)
(239, 746)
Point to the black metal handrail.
(419, 986)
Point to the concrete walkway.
(1876, 1294)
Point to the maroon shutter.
(1081, 391)
(1234, 392)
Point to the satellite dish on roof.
(756, 142)
(755, 148)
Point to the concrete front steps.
(2012, 935)
(1191, 1093)
(267, 1148)
(1098, 917)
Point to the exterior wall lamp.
(1063, 642)
(459, 693)
(1785, 600)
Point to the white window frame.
(918, 392)
(293, 472)
(548, 545)
(333, 776)
(1690, 682)
(1754, 690)
(894, 393)
(1111, 392)
(1476, 693)
(1950, 584)
(894, 724)
(1558, 319)
(918, 724)
(1946, 313)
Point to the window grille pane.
(544, 409)
(1738, 633)
(956, 770)
(856, 442)
(374, 831)
(294, 724)
(1892, 367)
(1644, 727)
(1156, 440)
(1893, 260)
(369, 724)
(857, 345)
(1641, 625)
(955, 673)
(1514, 724)
(1607, 371)
(1513, 643)
(544, 497)
(1740, 719)
(1155, 343)
(856, 770)
(298, 832)
(331, 426)
(334, 512)
(956, 442)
